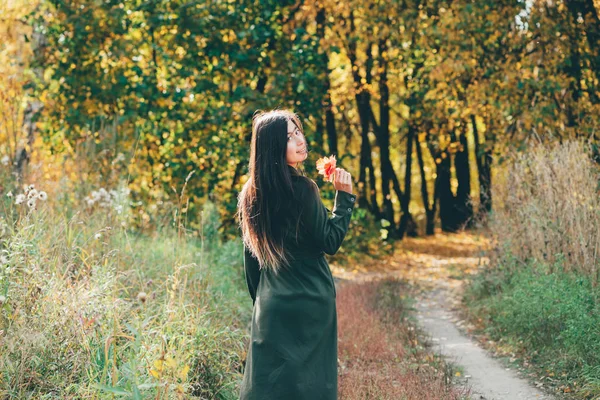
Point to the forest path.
(436, 267)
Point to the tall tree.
(332, 139)
(368, 199)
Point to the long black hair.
(267, 202)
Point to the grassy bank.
(551, 321)
(540, 298)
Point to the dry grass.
(379, 351)
(547, 208)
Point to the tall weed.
(547, 207)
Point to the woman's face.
(296, 145)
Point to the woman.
(286, 231)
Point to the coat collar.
(293, 170)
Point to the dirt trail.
(436, 267)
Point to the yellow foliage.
(15, 54)
(184, 372)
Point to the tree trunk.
(332, 140)
(384, 135)
(362, 99)
(573, 69)
(484, 163)
(591, 24)
(406, 217)
(446, 197)
(389, 171)
(448, 212)
(367, 105)
(463, 202)
(319, 137)
(22, 157)
(365, 153)
(429, 211)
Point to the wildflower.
(31, 203)
(101, 196)
(20, 199)
(120, 157)
(326, 167)
(5, 160)
(106, 198)
(29, 188)
(98, 235)
(9, 194)
(42, 196)
(142, 297)
(32, 193)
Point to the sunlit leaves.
(176, 82)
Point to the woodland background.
(415, 98)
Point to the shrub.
(547, 206)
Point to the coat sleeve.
(328, 231)
(252, 273)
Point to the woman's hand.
(342, 180)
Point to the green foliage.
(364, 238)
(172, 83)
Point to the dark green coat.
(293, 349)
